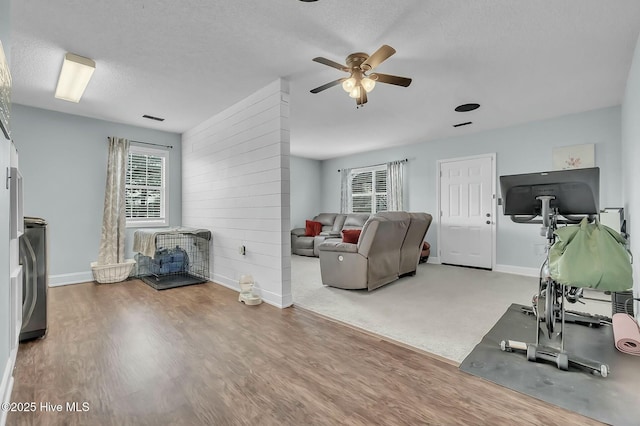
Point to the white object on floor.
(246, 291)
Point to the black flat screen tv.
(576, 192)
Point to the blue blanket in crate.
(170, 261)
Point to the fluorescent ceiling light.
(74, 77)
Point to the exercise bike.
(548, 305)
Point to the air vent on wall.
(151, 117)
(462, 124)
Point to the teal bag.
(590, 255)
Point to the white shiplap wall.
(235, 182)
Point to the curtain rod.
(404, 160)
(149, 143)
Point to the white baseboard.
(279, 301)
(268, 297)
(506, 269)
(73, 278)
(518, 270)
(6, 387)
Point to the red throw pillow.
(312, 228)
(351, 236)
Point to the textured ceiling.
(187, 60)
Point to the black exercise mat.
(614, 399)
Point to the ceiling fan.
(361, 81)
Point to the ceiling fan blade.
(328, 85)
(391, 79)
(378, 57)
(330, 63)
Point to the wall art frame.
(574, 157)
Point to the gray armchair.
(380, 254)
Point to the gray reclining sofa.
(389, 247)
(332, 226)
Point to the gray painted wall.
(520, 149)
(630, 169)
(306, 190)
(63, 159)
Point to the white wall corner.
(284, 88)
(277, 300)
(435, 260)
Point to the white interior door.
(466, 212)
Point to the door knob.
(488, 214)
(488, 222)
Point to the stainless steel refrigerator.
(33, 256)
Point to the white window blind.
(369, 189)
(145, 187)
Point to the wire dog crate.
(180, 257)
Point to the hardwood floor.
(195, 356)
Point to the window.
(146, 187)
(369, 189)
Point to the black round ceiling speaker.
(467, 107)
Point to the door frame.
(494, 221)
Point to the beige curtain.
(113, 219)
(345, 191)
(395, 183)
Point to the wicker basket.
(114, 273)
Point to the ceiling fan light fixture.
(356, 92)
(359, 82)
(368, 84)
(349, 84)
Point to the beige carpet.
(444, 310)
